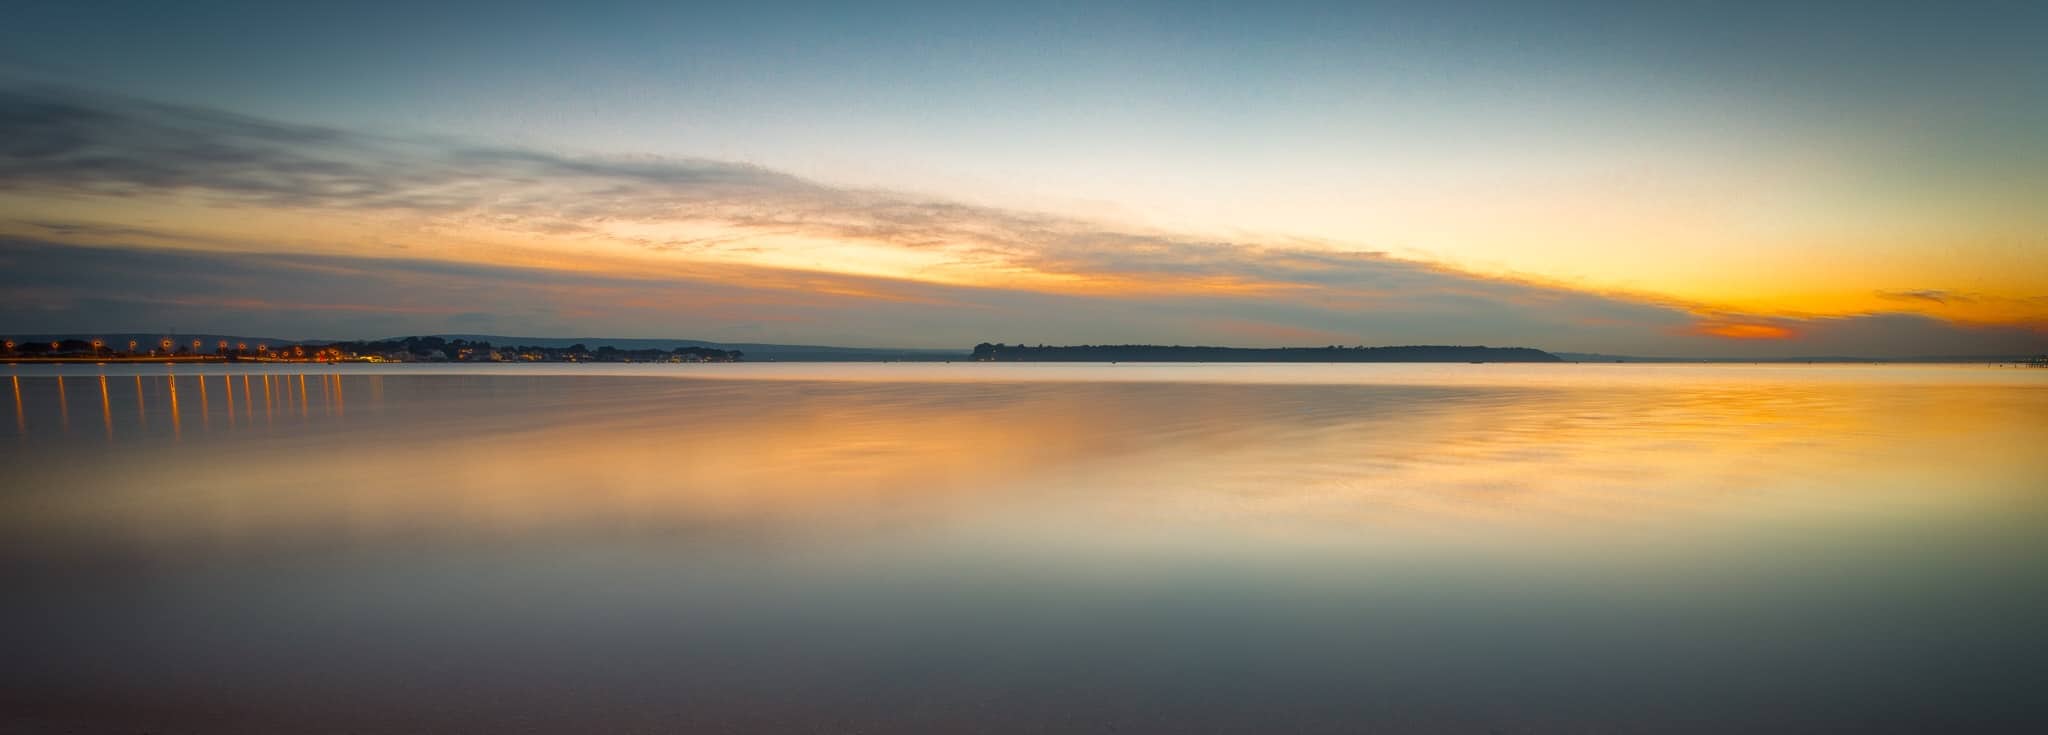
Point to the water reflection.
(106, 410)
(1281, 461)
(177, 417)
(567, 553)
(63, 406)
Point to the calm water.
(1029, 548)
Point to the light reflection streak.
(63, 406)
(266, 400)
(20, 416)
(205, 406)
(106, 410)
(304, 411)
(141, 416)
(177, 421)
(228, 382)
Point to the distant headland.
(218, 348)
(1176, 353)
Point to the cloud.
(1934, 295)
(714, 256)
(1741, 329)
(72, 142)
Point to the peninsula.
(1176, 353)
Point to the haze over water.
(1029, 548)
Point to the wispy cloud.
(66, 141)
(1935, 295)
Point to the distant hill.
(756, 352)
(1178, 353)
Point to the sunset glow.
(1540, 194)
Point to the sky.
(1702, 179)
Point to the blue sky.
(1735, 163)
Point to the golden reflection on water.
(177, 419)
(1069, 463)
(106, 410)
(63, 406)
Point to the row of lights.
(99, 344)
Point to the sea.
(1031, 548)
